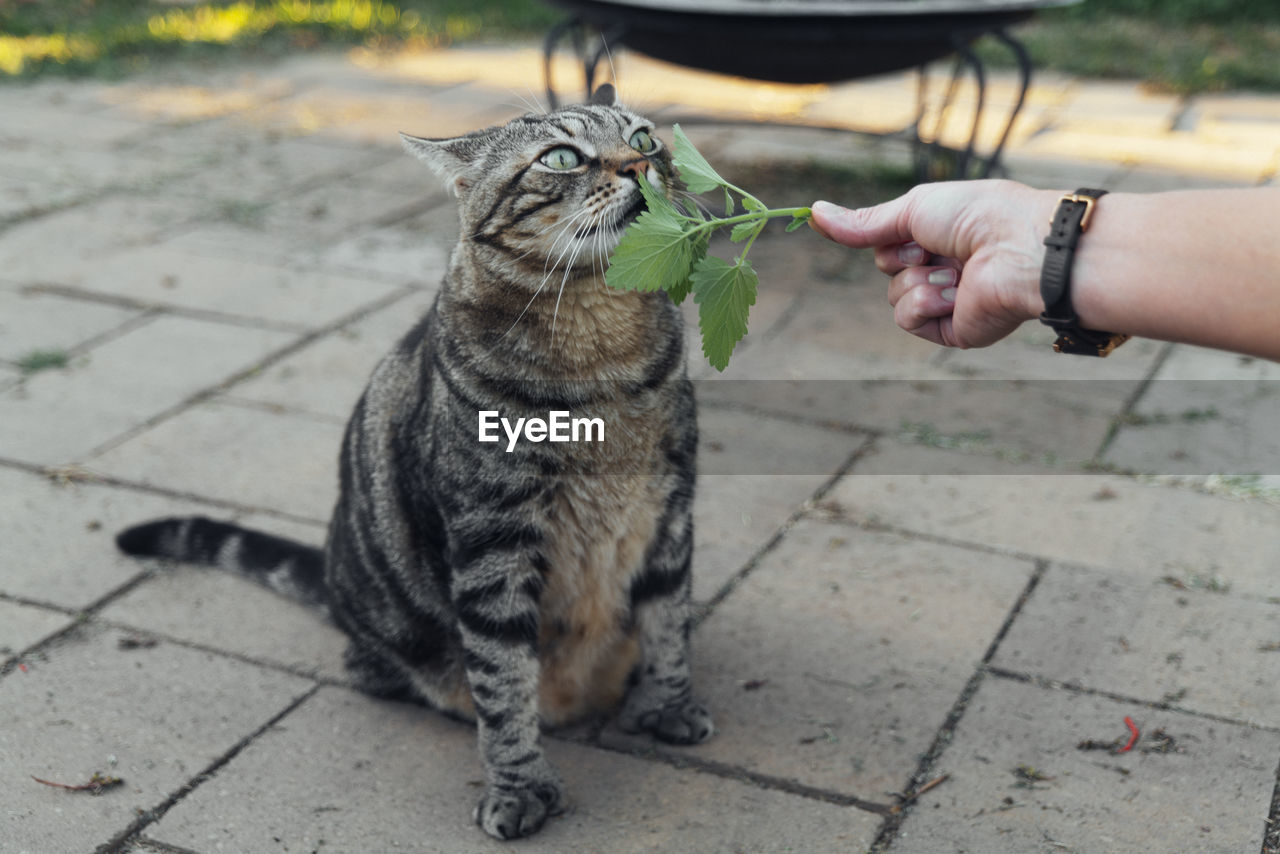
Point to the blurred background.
(1173, 46)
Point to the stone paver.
(1209, 794)
(347, 773)
(162, 277)
(328, 376)
(1147, 531)
(174, 231)
(232, 614)
(1179, 639)
(23, 625)
(1205, 412)
(836, 661)
(36, 321)
(59, 416)
(155, 717)
(249, 456)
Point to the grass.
(42, 360)
(1177, 46)
(115, 37)
(1180, 46)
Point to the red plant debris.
(1133, 735)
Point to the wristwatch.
(1070, 220)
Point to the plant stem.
(768, 213)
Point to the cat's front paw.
(683, 722)
(513, 810)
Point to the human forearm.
(1201, 267)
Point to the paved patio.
(935, 584)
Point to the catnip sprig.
(666, 248)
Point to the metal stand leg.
(1024, 83)
(935, 161)
(577, 31)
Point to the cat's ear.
(605, 96)
(455, 160)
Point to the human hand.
(964, 256)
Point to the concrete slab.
(249, 456)
(328, 376)
(60, 536)
(913, 452)
(336, 210)
(57, 417)
(1227, 160)
(22, 626)
(177, 102)
(813, 671)
(1179, 640)
(1210, 793)
(62, 126)
(31, 321)
(1204, 412)
(351, 773)
(155, 717)
(166, 277)
(734, 516)
(242, 167)
(1062, 423)
(37, 249)
(339, 115)
(220, 611)
(1145, 531)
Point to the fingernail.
(942, 277)
(911, 253)
(823, 209)
(948, 294)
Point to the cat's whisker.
(565, 278)
(564, 228)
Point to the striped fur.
(541, 585)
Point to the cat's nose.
(634, 168)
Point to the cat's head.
(553, 190)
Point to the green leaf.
(724, 293)
(697, 251)
(729, 206)
(695, 171)
(799, 219)
(654, 253)
(656, 201)
(745, 230)
(753, 204)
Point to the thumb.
(863, 228)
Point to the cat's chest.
(600, 531)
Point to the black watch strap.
(1070, 220)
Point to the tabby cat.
(543, 583)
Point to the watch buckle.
(1087, 201)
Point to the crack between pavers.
(169, 309)
(792, 417)
(81, 618)
(704, 610)
(280, 409)
(1271, 832)
(1126, 409)
(731, 772)
(926, 769)
(253, 370)
(1156, 705)
(151, 816)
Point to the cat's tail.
(287, 567)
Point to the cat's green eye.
(642, 142)
(561, 158)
